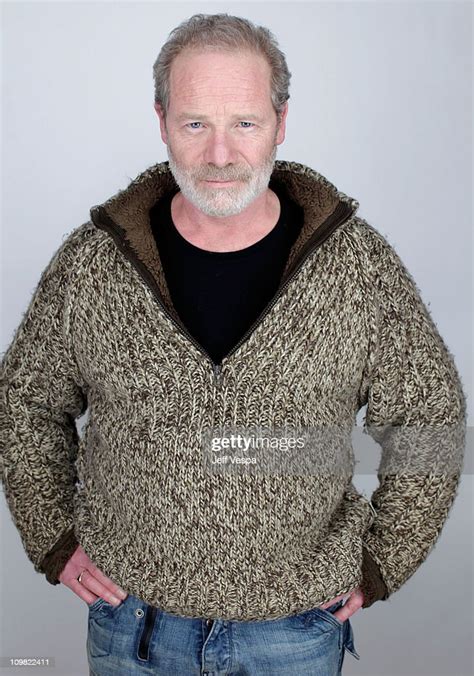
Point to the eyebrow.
(197, 116)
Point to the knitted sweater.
(347, 328)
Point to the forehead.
(208, 78)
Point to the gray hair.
(227, 33)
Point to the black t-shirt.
(218, 295)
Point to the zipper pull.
(374, 511)
(217, 371)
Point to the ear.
(161, 116)
(282, 127)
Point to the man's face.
(221, 126)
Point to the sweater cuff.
(373, 585)
(55, 560)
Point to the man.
(225, 289)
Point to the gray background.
(380, 104)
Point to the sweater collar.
(125, 216)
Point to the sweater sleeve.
(41, 396)
(416, 411)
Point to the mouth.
(217, 183)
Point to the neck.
(229, 233)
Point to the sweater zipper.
(217, 370)
(314, 242)
(341, 214)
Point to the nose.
(219, 149)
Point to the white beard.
(219, 201)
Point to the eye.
(190, 123)
(251, 123)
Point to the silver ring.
(80, 576)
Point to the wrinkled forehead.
(214, 78)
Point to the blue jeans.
(134, 639)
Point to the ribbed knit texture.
(350, 330)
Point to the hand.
(355, 599)
(93, 584)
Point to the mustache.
(232, 175)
